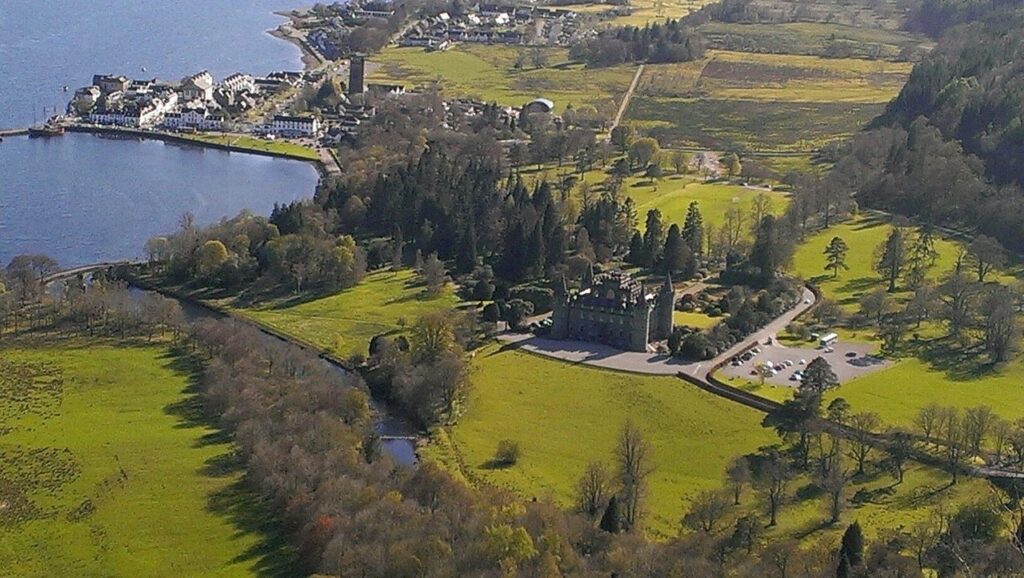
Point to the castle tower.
(664, 307)
(357, 74)
(560, 311)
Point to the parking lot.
(848, 360)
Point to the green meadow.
(566, 415)
(344, 323)
(673, 197)
(106, 469)
(489, 73)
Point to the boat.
(46, 130)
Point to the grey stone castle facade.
(614, 309)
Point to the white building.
(198, 87)
(293, 126)
(194, 118)
(239, 82)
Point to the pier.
(13, 132)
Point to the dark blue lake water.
(81, 198)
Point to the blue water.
(81, 198)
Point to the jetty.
(13, 132)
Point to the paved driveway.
(848, 360)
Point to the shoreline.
(311, 59)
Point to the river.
(80, 198)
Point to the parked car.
(788, 363)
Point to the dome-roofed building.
(541, 105)
(613, 308)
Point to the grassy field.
(762, 102)
(673, 198)
(752, 125)
(777, 77)
(489, 73)
(105, 470)
(565, 415)
(257, 144)
(344, 323)
(812, 38)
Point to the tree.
(861, 438)
(891, 258)
(835, 256)
(653, 239)
(433, 274)
(958, 295)
(592, 489)
(693, 229)
(819, 377)
(876, 304)
(507, 453)
(622, 137)
(732, 164)
(677, 256)
(851, 550)
(680, 162)
(891, 330)
(643, 151)
(760, 208)
(833, 481)
(772, 481)
(977, 424)
(747, 533)
(611, 520)
(921, 257)
(738, 475)
(432, 335)
(212, 255)
(772, 248)
(633, 456)
(654, 173)
(900, 449)
(999, 317)
(927, 420)
(706, 511)
(985, 253)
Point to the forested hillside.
(946, 148)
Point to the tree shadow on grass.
(871, 221)
(958, 363)
(272, 555)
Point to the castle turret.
(560, 310)
(664, 307)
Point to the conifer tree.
(611, 521)
(835, 256)
(693, 229)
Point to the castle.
(612, 308)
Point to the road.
(625, 99)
